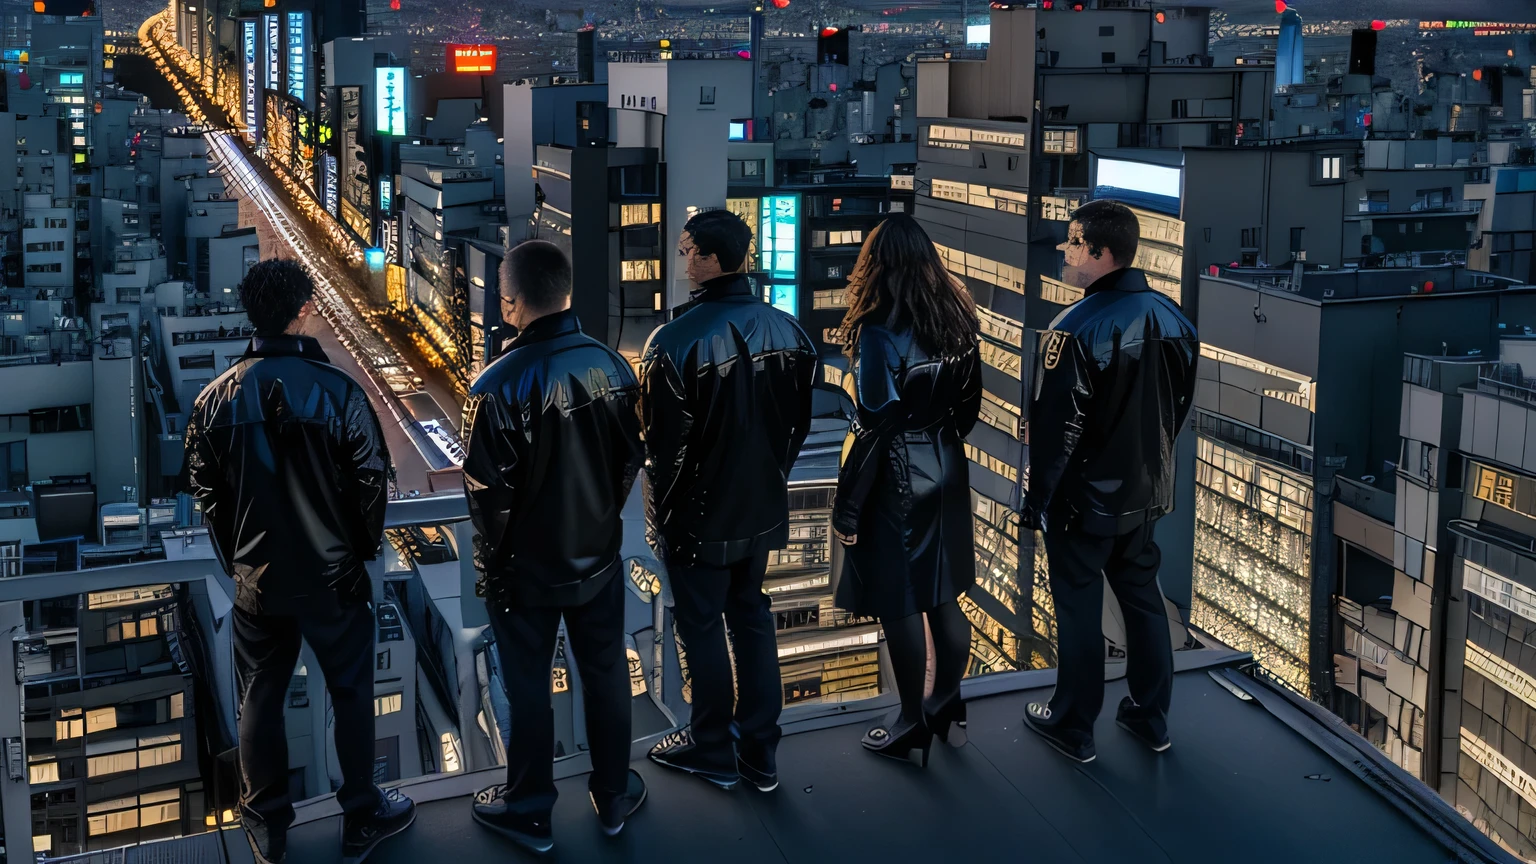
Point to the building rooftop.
(1256, 777)
(1367, 283)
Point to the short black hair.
(1109, 225)
(722, 234)
(273, 291)
(538, 274)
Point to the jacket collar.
(1124, 279)
(721, 287)
(547, 327)
(284, 345)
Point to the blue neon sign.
(298, 55)
(375, 259)
(389, 100)
(779, 242)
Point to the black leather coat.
(904, 485)
(288, 460)
(553, 449)
(725, 397)
(1114, 383)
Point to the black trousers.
(1079, 564)
(750, 711)
(266, 650)
(525, 642)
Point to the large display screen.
(330, 194)
(389, 100)
(298, 56)
(1140, 184)
(978, 34)
(472, 59)
(274, 49)
(779, 245)
(248, 47)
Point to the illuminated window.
(635, 214)
(844, 238)
(1001, 359)
(100, 719)
(830, 298)
(389, 703)
(1000, 327)
(1495, 487)
(950, 190)
(987, 460)
(112, 763)
(951, 137)
(65, 729)
(1056, 291)
(640, 271)
(178, 706)
(999, 413)
(44, 772)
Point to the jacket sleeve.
(666, 420)
(494, 465)
(628, 451)
(371, 471)
(877, 410)
(1187, 392)
(805, 374)
(202, 478)
(968, 406)
(1063, 390)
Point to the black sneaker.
(531, 832)
(359, 834)
(1140, 727)
(757, 769)
(1073, 746)
(614, 810)
(679, 752)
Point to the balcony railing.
(1379, 504)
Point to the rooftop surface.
(1240, 783)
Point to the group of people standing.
(287, 457)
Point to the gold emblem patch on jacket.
(1051, 346)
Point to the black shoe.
(359, 834)
(678, 751)
(948, 722)
(531, 832)
(265, 848)
(900, 741)
(1141, 728)
(758, 769)
(613, 810)
(1075, 747)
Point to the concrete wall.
(1081, 39)
(1273, 191)
(118, 427)
(1010, 67)
(1287, 338)
(23, 388)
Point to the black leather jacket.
(288, 460)
(553, 449)
(1114, 383)
(725, 401)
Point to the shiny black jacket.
(1114, 383)
(288, 460)
(553, 449)
(725, 401)
(904, 484)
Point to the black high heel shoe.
(949, 722)
(898, 742)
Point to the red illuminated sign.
(472, 59)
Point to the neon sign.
(274, 37)
(328, 180)
(389, 100)
(386, 194)
(779, 243)
(473, 59)
(248, 41)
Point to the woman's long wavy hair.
(899, 276)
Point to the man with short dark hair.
(725, 400)
(286, 457)
(1114, 383)
(553, 450)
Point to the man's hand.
(846, 539)
(1031, 518)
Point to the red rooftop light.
(1280, 7)
(1077, 7)
(394, 5)
(1161, 16)
(832, 86)
(780, 4)
(1477, 74)
(1378, 25)
(1046, 4)
(828, 32)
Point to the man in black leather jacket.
(1114, 383)
(725, 395)
(553, 450)
(286, 456)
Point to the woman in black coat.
(903, 506)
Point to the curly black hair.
(273, 292)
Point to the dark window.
(1250, 238)
(1013, 163)
(706, 95)
(197, 361)
(13, 465)
(69, 418)
(1106, 31)
(1107, 57)
(1180, 109)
